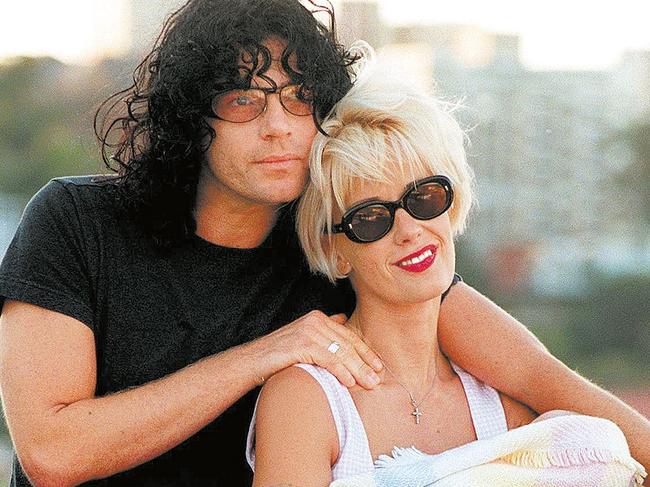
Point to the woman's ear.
(342, 265)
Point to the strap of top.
(485, 406)
(354, 452)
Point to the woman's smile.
(418, 261)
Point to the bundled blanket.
(563, 451)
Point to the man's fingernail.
(377, 365)
(373, 379)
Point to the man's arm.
(63, 435)
(489, 343)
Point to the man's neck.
(231, 222)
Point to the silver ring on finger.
(334, 347)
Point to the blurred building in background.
(547, 147)
(361, 20)
(633, 85)
(146, 18)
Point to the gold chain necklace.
(416, 405)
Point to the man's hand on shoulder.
(322, 340)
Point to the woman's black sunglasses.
(424, 199)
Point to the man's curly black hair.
(154, 134)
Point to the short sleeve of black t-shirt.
(46, 263)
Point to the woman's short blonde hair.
(382, 128)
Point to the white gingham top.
(485, 407)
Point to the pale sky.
(71, 30)
(555, 33)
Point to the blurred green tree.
(45, 124)
(615, 315)
(612, 320)
(637, 175)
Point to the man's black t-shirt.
(153, 312)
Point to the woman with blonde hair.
(390, 188)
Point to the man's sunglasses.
(371, 220)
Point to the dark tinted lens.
(427, 200)
(239, 105)
(371, 222)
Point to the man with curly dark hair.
(140, 311)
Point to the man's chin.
(285, 194)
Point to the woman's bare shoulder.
(294, 384)
(292, 403)
(298, 382)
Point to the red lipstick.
(418, 261)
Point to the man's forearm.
(488, 342)
(64, 436)
(98, 437)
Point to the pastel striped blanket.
(562, 451)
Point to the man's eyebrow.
(278, 86)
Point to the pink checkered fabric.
(485, 407)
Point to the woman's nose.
(406, 228)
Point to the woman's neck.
(404, 336)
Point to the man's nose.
(275, 119)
